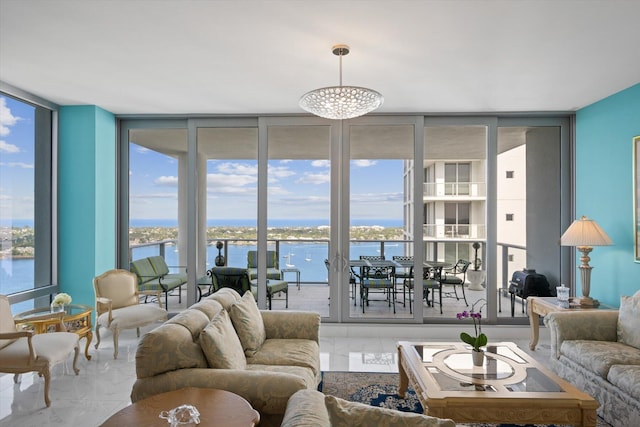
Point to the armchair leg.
(138, 332)
(115, 343)
(16, 378)
(75, 359)
(46, 373)
(97, 336)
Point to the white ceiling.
(259, 57)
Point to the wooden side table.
(77, 319)
(541, 306)
(218, 408)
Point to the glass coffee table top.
(451, 366)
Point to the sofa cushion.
(629, 320)
(209, 307)
(345, 413)
(248, 323)
(305, 374)
(294, 352)
(194, 320)
(221, 345)
(627, 378)
(168, 348)
(599, 356)
(306, 408)
(227, 297)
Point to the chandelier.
(341, 102)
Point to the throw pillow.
(221, 345)
(344, 413)
(629, 320)
(247, 320)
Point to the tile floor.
(104, 384)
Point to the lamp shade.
(585, 232)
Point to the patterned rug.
(381, 389)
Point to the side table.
(292, 270)
(218, 408)
(541, 306)
(77, 318)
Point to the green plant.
(480, 339)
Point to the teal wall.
(604, 189)
(86, 198)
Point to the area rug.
(381, 389)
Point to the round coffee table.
(218, 408)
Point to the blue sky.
(16, 160)
(298, 189)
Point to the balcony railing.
(454, 231)
(455, 189)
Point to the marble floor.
(104, 384)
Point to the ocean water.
(308, 257)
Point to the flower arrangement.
(61, 299)
(479, 339)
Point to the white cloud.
(7, 119)
(166, 180)
(231, 183)
(377, 197)
(5, 147)
(17, 165)
(238, 168)
(314, 178)
(278, 172)
(321, 163)
(142, 150)
(362, 163)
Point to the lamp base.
(585, 302)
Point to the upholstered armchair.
(23, 351)
(118, 305)
(273, 265)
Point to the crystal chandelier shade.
(341, 102)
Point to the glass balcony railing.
(454, 189)
(454, 231)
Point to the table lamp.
(584, 234)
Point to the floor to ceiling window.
(455, 198)
(312, 190)
(298, 211)
(156, 208)
(25, 202)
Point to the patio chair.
(377, 278)
(352, 280)
(23, 351)
(273, 265)
(456, 276)
(430, 283)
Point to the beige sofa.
(199, 348)
(599, 352)
(310, 408)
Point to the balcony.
(454, 190)
(313, 293)
(454, 231)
